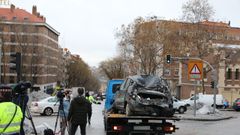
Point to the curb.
(207, 119)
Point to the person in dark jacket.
(80, 109)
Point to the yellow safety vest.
(90, 99)
(7, 110)
(57, 88)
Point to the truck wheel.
(128, 111)
(181, 109)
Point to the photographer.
(10, 113)
(63, 112)
(20, 97)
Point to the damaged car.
(144, 95)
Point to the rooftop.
(16, 14)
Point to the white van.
(207, 99)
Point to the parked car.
(207, 99)
(144, 95)
(46, 106)
(179, 106)
(236, 104)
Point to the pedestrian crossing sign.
(195, 68)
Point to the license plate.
(141, 128)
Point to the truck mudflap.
(132, 125)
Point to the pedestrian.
(10, 113)
(63, 112)
(57, 88)
(90, 98)
(80, 109)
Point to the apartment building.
(29, 34)
(217, 43)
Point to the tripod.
(63, 120)
(21, 100)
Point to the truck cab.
(112, 87)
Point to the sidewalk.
(189, 115)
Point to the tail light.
(117, 128)
(169, 128)
(238, 103)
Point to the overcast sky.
(87, 27)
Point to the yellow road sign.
(195, 69)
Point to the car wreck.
(144, 95)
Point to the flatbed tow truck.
(121, 124)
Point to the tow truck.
(121, 124)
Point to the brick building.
(218, 44)
(29, 34)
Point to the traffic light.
(212, 84)
(15, 63)
(168, 59)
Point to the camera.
(21, 87)
(61, 93)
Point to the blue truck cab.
(112, 87)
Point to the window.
(176, 72)
(115, 88)
(229, 73)
(12, 28)
(12, 38)
(11, 79)
(3, 17)
(14, 18)
(53, 100)
(25, 19)
(12, 48)
(237, 74)
(167, 72)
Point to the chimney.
(34, 10)
(38, 14)
(12, 7)
(229, 23)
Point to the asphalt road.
(186, 127)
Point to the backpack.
(48, 131)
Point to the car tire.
(181, 109)
(128, 111)
(48, 111)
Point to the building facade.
(216, 43)
(29, 34)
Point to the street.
(186, 127)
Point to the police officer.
(90, 98)
(10, 113)
(57, 88)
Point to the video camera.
(61, 93)
(21, 88)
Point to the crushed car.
(144, 95)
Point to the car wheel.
(48, 111)
(128, 111)
(181, 109)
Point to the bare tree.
(140, 46)
(197, 10)
(205, 34)
(79, 74)
(113, 68)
